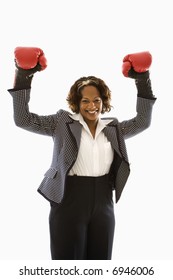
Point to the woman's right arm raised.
(29, 60)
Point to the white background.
(82, 38)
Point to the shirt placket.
(95, 158)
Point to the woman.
(89, 157)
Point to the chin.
(92, 117)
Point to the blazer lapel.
(76, 129)
(111, 133)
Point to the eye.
(85, 101)
(96, 101)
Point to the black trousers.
(82, 226)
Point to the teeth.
(92, 112)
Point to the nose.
(91, 105)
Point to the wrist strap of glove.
(23, 77)
(144, 88)
(143, 83)
(22, 81)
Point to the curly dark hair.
(74, 96)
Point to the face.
(90, 104)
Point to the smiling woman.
(89, 160)
(74, 96)
(90, 96)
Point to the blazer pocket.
(51, 173)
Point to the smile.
(92, 112)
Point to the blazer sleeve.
(32, 122)
(142, 120)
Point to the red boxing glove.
(29, 57)
(140, 62)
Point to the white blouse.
(95, 154)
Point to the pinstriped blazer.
(66, 135)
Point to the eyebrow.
(83, 97)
